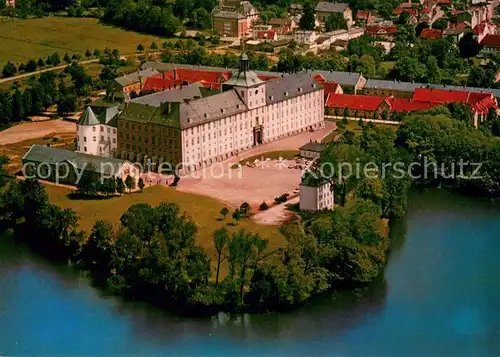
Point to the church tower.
(247, 84)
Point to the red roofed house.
(267, 35)
(490, 43)
(404, 105)
(484, 29)
(160, 84)
(364, 17)
(354, 106)
(386, 32)
(480, 103)
(431, 34)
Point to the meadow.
(22, 40)
(204, 211)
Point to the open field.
(33, 38)
(203, 210)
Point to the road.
(25, 75)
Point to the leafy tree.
(224, 211)
(89, 182)
(221, 238)
(97, 251)
(164, 45)
(48, 61)
(67, 104)
(440, 24)
(141, 184)
(153, 46)
(11, 200)
(108, 73)
(108, 186)
(130, 183)
(97, 52)
(120, 186)
(237, 215)
(40, 63)
(88, 54)
(263, 206)
(9, 70)
(245, 209)
(67, 58)
(334, 22)
(140, 47)
(31, 66)
(308, 19)
(201, 19)
(55, 59)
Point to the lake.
(439, 296)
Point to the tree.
(403, 18)
(468, 46)
(308, 19)
(97, 52)
(31, 66)
(40, 63)
(153, 46)
(141, 184)
(89, 182)
(9, 70)
(108, 73)
(440, 24)
(245, 209)
(120, 186)
(201, 19)
(164, 45)
(67, 104)
(263, 206)
(67, 58)
(224, 211)
(108, 186)
(140, 47)
(88, 54)
(335, 21)
(221, 238)
(130, 183)
(97, 251)
(55, 59)
(237, 215)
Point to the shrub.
(263, 206)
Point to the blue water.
(440, 296)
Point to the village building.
(382, 32)
(295, 9)
(266, 36)
(325, 9)
(199, 132)
(282, 26)
(455, 33)
(484, 29)
(133, 82)
(229, 23)
(316, 194)
(96, 129)
(312, 150)
(305, 37)
(364, 18)
(431, 34)
(490, 43)
(66, 166)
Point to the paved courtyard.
(262, 183)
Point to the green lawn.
(355, 128)
(273, 155)
(203, 210)
(22, 40)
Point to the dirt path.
(275, 215)
(35, 130)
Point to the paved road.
(25, 75)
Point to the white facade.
(316, 198)
(305, 37)
(220, 139)
(99, 139)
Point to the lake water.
(440, 296)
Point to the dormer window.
(271, 97)
(313, 85)
(222, 110)
(206, 115)
(286, 94)
(300, 90)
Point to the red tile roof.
(400, 105)
(266, 77)
(363, 15)
(193, 75)
(160, 84)
(319, 78)
(330, 87)
(480, 102)
(431, 34)
(354, 102)
(381, 30)
(444, 2)
(491, 41)
(266, 34)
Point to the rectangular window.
(94, 138)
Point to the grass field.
(22, 40)
(203, 210)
